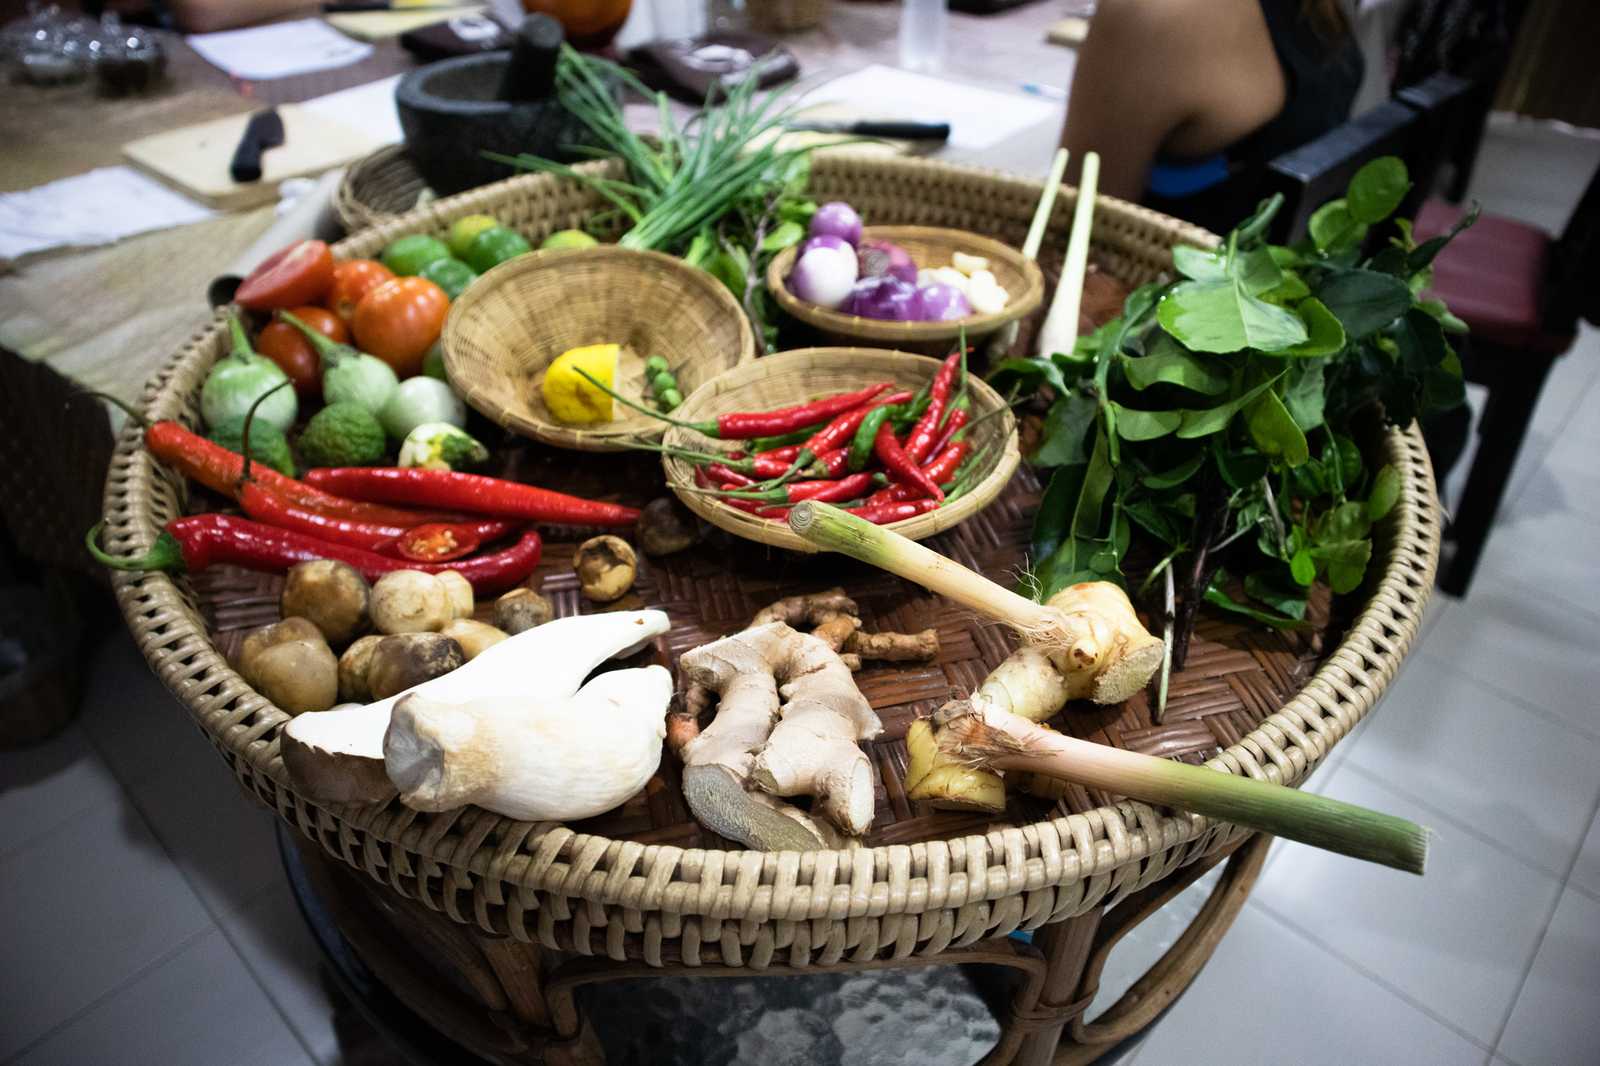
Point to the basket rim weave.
(547, 883)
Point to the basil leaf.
(1424, 254)
(1221, 316)
(1215, 419)
(1306, 395)
(1170, 363)
(1324, 334)
(1028, 373)
(1171, 479)
(1385, 493)
(1268, 586)
(1377, 189)
(1218, 598)
(1364, 301)
(1138, 425)
(1055, 509)
(1066, 428)
(784, 235)
(1198, 264)
(1274, 431)
(1334, 229)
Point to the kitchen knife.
(263, 131)
(890, 129)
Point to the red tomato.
(299, 274)
(353, 279)
(399, 320)
(323, 321)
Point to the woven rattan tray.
(645, 881)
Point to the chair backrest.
(1314, 173)
(1575, 263)
(1450, 109)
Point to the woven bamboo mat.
(1235, 677)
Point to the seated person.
(1185, 100)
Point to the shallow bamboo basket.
(930, 246)
(378, 188)
(812, 373)
(596, 890)
(512, 323)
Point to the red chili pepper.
(919, 445)
(747, 425)
(837, 434)
(884, 513)
(727, 476)
(959, 413)
(784, 454)
(198, 541)
(474, 493)
(220, 470)
(898, 462)
(826, 490)
(265, 505)
(835, 462)
(439, 542)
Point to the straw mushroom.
(406, 660)
(474, 637)
(460, 592)
(291, 664)
(606, 568)
(520, 610)
(332, 595)
(411, 601)
(354, 666)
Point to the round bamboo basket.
(811, 373)
(377, 188)
(603, 893)
(513, 322)
(930, 246)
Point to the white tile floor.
(1491, 735)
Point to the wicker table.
(485, 926)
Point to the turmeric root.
(803, 746)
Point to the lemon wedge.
(573, 399)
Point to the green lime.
(494, 246)
(408, 255)
(462, 230)
(568, 238)
(451, 275)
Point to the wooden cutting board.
(195, 159)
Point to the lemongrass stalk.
(829, 527)
(1006, 335)
(1060, 330)
(981, 735)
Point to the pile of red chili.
(376, 519)
(881, 454)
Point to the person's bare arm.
(1128, 93)
(204, 16)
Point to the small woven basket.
(512, 323)
(378, 188)
(930, 246)
(805, 374)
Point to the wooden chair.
(1521, 292)
(1319, 171)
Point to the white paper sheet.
(279, 50)
(978, 117)
(99, 207)
(368, 108)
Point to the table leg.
(1066, 946)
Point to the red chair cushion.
(1492, 276)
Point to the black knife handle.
(903, 131)
(260, 133)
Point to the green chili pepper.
(906, 416)
(861, 443)
(799, 436)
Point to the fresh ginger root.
(832, 616)
(804, 746)
(945, 782)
